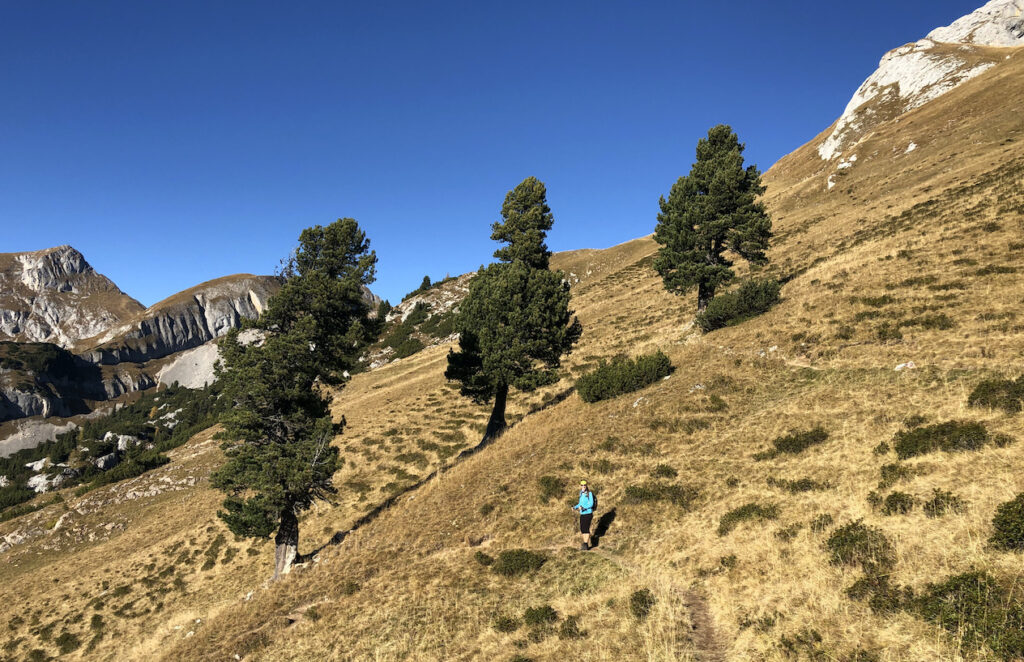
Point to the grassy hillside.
(911, 257)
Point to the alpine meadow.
(797, 401)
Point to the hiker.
(586, 508)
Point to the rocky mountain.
(912, 75)
(54, 295)
(183, 321)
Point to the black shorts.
(585, 522)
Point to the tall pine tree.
(279, 429)
(710, 211)
(514, 324)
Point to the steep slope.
(55, 296)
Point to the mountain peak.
(912, 75)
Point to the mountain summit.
(911, 75)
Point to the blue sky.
(177, 142)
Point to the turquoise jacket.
(586, 504)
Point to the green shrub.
(943, 502)
(858, 544)
(1004, 394)
(798, 485)
(898, 503)
(483, 558)
(513, 562)
(794, 442)
(664, 471)
(821, 522)
(941, 321)
(882, 597)
(506, 624)
(535, 616)
(67, 643)
(640, 603)
(750, 299)
(487, 509)
(978, 611)
(949, 436)
(1009, 525)
(550, 487)
(622, 375)
(570, 629)
(892, 473)
(748, 511)
(680, 495)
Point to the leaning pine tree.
(278, 430)
(712, 210)
(515, 324)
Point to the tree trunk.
(287, 543)
(704, 295)
(496, 424)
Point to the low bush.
(622, 375)
(506, 624)
(943, 502)
(664, 471)
(750, 299)
(483, 558)
(892, 473)
(1009, 525)
(748, 511)
(1005, 394)
(550, 487)
(949, 436)
(798, 485)
(679, 495)
(570, 629)
(977, 611)
(640, 603)
(67, 643)
(821, 522)
(857, 544)
(536, 616)
(886, 332)
(794, 442)
(898, 503)
(514, 562)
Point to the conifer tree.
(514, 324)
(279, 428)
(710, 211)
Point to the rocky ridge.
(912, 75)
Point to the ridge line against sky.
(180, 143)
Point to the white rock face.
(913, 75)
(54, 295)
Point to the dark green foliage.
(641, 602)
(891, 474)
(977, 610)
(887, 332)
(882, 597)
(570, 629)
(384, 309)
(67, 643)
(711, 210)
(514, 562)
(483, 558)
(1008, 523)
(798, 485)
(858, 544)
(898, 503)
(515, 323)
(750, 299)
(882, 448)
(679, 495)
(748, 511)
(425, 285)
(949, 436)
(943, 502)
(534, 616)
(1005, 394)
(550, 487)
(506, 624)
(941, 321)
(795, 442)
(279, 427)
(664, 471)
(487, 509)
(622, 375)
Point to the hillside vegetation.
(811, 483)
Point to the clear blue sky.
(177, 142)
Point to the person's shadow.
(603, 523)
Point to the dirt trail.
(709, 647)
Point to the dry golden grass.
(406, 586)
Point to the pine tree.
(514, 324)
(279, 428)
(709, 211)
